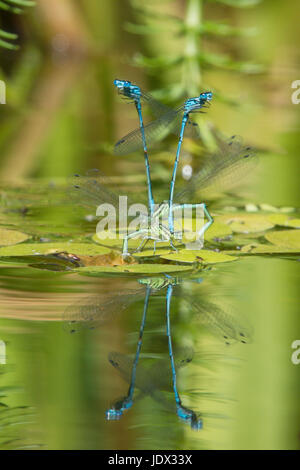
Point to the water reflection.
(93, 311)
(119, 362)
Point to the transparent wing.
(223, 169)
(221, 323)
(156, 107)
(91, 312)
(159, 109)
(148, 380)
(156, 131)
(91, 190)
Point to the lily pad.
(247, 223)
(218, 230)
(289, 239)
(163, 250)
(295, 223)
(258, 248)
(205, 256)
(284, 220)
(12, 237)
(133, 269)
(31, 249)
(110, 240)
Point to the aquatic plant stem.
(191, 71)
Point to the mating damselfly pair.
(225, 166)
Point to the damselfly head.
(121, 83)
(127, 89)
(207, 96)
(193, 104)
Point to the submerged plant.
(17, 7)
(184, 66)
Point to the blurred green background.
(62, 112)
(61, 116)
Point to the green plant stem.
(191, 71)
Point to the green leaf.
(12, 237)
(132, 269)
(247, 222)
(109, 239)
(258, 248)
(157, 62)
(218, 230)
(224, 61)
(22, 3)
(32, 249)
(238, 3)
(6, 35)
(6, 7)
(223, 29)
(14, 6)
(284, 220)
(8, 45)
(162, 250)
(205, 256)
(289, 239)
(146, 29)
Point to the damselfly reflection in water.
(151, 381)
(116, 411)
(93, 311)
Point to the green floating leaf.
(294, 223)
(289, 239)
(162, 250)
(32, 249)
(247, 223)
(133, 269)
(12, 237)
(284, 220)
(218, 230)
(206, 256)
(257, 248)
(104, 238)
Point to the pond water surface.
(60, 378)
